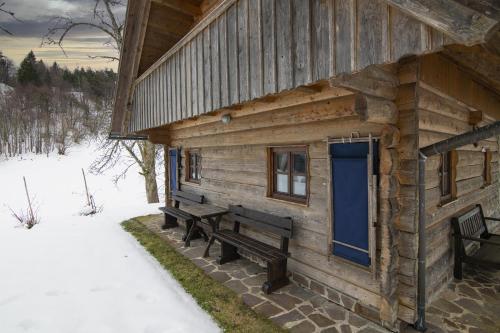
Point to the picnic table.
(210, 213)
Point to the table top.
(204, 211)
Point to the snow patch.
(81, 274)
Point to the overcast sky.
(36, 18)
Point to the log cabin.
(316, 110)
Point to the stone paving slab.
(471, 305)
(292, 307)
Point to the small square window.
(447, 176)
(288, 173)
(193, 166)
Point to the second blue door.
(350, 200)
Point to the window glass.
(299, 185)
(282, 162)
(299, 162)
(193, 159)
(289, 173)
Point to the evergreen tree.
(27, 73)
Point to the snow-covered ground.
(82, 274)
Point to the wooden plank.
(182, 82)
(243, 51)
(301, 33)
(269, 46)
(201, 75)
(370, 16)
(188, 78)
(345, 39)
(232, 46)
(224, 67)
(284, 44)
(207, 70)
(406, 34)
(321, 29)
(194, 77)
(255, 48)
(215, 65)
(170, 96)
(451, 18)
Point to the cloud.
(37, 16)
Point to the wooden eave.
(152, 27)
(165, 26)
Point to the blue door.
(350, 200)
(173, 168)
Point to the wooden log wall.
(234, 171)
(431, 108)
(254, 48)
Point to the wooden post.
(86, 187)
(29, 200)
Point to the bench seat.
(488, 252)
(264, 251)
(471, 228)
(172, 214)
(275, 258)
(176, 212)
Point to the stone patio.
(292, 307)
(471, 305)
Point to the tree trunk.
(149, 170)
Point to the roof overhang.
(152, 27)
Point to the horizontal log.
(341, 107)
(302, 134)
(376, 110)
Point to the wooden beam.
(136, 23)
(376, 110)
(184, 6)
(312, 89)
(373, 80)
(461, 23)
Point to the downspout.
(420, 324)
(460, 140)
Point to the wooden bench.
(276, 258)
(172, 214)
(471, 227)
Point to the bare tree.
(11, 14)
(104, 20)
(144, 153)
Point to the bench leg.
(228, 253)
(276, 276)
(190, 234)
(457, 269)
(170, 222)
(207, 250)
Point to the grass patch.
(223, 304)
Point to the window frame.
(487, 169)
(198, 165)
(272, 174)
(451, 159)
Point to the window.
(487, 168)
(288, 173)
(447, 176)
(193, 166)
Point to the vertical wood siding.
(261, 47)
